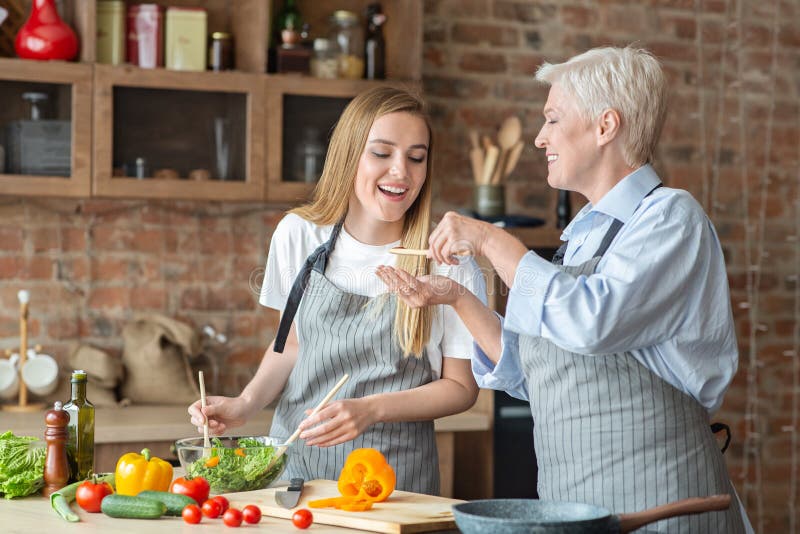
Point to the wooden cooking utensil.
(402, 251)
(476, 156)
(206, 441)
(513, 158)
(489, 163)
(323, 402)
(508, 135)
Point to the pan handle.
(695, 505)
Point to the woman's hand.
(456, 235)
(420, 292)
(337, 422)
(222, 413)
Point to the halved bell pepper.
(367, 476)
(139, 472)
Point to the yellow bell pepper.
(139, 472)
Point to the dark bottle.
(563, 209)
(80, 443)
(288, 23)
(56, 465)
(375, 44)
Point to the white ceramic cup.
(9, 377)
(40, 373)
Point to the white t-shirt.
(351, 268)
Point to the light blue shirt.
(659, 292)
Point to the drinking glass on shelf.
(222, 147)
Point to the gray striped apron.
(338, 333)
(609, 432)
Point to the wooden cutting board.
(402, 512)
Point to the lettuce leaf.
(21, 465)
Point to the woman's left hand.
(337, 422)
(419, 292)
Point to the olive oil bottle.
(80, 443)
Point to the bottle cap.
(78, 375)
(57, 405)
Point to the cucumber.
(131, 507)
(174, 502)
(60, 500)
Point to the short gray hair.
(629, 80)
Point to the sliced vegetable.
(130, 507)
(243, 468)
(174, 502)
(197, 488)
(212, 462)
(345, 502)
(60, 500)
(367, 475)
(139, 472)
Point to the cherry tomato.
(232, 517)
(302, 518)
(251, 514)
(211, 508)
(191, 514)
(197, 488)
(90, 493)
(223, 502)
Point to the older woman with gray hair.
(624, 344)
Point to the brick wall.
(92, 265)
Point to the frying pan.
(523, 516)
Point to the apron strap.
(558, 257)
(317, 261)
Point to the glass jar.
(220, 52)
(349, 35)
(325, 61)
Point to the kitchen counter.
(121, 430)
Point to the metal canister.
(186, 38)
(111, 31)
(220, 51)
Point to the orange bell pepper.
(139, 472)
(367, 476)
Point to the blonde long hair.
(329, 203)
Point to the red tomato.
(251, 514)
(302, 518)
(90, 493)
(211, 508)
(223, 502)
(232, 517)
(197, 488)
(191, 514)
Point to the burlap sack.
(156, 358)
(104, 370)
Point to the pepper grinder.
(56, 466)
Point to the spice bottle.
(56, 465)
(375, 44)
(325, 61)
(80, 442)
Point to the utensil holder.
(489, 200)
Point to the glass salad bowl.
(232, 464)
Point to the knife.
(290, 497)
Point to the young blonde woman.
(407, 366)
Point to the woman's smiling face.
(569, 142)
(391, 170)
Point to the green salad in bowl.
(233, 464)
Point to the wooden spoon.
(512, 159)
(402, 251)
(508, 136)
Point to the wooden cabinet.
(65, 117)
(126, 120)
